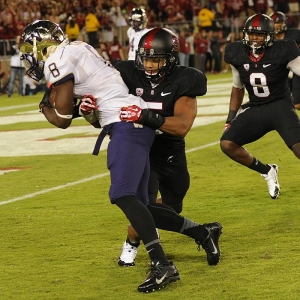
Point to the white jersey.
(134, 38)
(91, 75)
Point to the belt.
(106, 129)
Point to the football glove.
(130, 113)
(88, 104)
(227, 125)
(146, 117)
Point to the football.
(52, 97)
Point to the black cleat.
(211, 243)
(160, 276)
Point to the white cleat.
(272, 181)
(128, 255)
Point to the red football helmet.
(279, 19)
(158, 43)
(259, 24)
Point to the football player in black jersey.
(170, 91)
(283, 32)
(261, 66)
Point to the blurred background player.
(138, 23)
(115, 51)
(283, 32)
(17, 70)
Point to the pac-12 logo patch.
(246, 67)
(139, 92)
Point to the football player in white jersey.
(138, 22)
(75, 70)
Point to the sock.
(156, 253)
(259, 167)
(195, 231)
(134, 244)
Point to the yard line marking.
(54, 188)
(202, 147)
(85, 180)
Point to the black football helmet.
(261, 24)
(138, 19)
(158, 43)
(279, 19)
(34, 41)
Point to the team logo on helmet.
(175, 43)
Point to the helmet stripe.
(275, 16)
(256, 20)
(150, 37)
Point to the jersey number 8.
(259, 83)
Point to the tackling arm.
(185, 112)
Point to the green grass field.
(61, 237)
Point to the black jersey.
(293, 34)
(266, 79)
(161, 98)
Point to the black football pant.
(169, 176)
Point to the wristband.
(231, 116)
(151, 119)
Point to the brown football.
(52, 97)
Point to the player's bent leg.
(236, 152)
(296, 149)
(206, 235)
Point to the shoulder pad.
(293, 34)
(286, 50)
(234, 53)
(192, 81)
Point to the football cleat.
(211, 243)
(272, 181)
(128, 255)
(160, 276)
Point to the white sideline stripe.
(59, 187)
(202, 147)
(84, 180)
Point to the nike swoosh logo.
(164, 94)
(215, 248)
(265, 66)
(159, 281)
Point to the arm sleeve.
(237, 82)
(294, 65)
